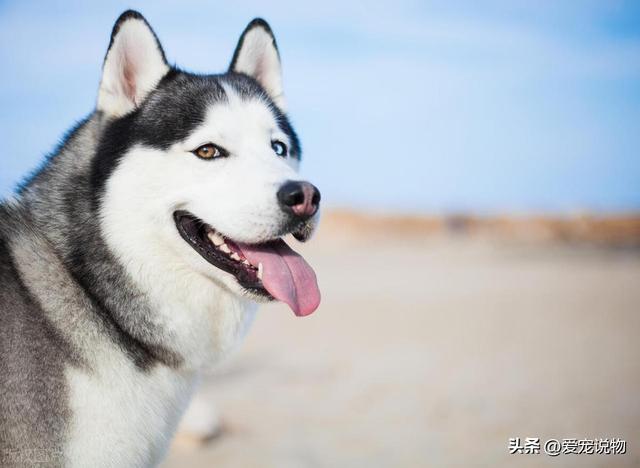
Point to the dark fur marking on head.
(170, 113)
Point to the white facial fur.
(245, 184)
(236, 195)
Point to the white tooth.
(225, 248)
(260, 271)
(215, 238)
(246, 262)
(235, 256)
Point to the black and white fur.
(106, 315)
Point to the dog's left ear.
(134, 65)
(257, 55)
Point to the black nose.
(300, 198)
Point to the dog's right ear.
(133, 66)
(257, 55)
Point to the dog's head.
(203, 168)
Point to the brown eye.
(209, 151)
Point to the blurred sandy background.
(437, 341)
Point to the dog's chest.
(122, 416)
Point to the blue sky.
(401, 105)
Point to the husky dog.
(136, 255)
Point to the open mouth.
(270, 269)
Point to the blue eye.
(279, 148)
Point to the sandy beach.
(433, 351)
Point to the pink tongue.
(285, 274)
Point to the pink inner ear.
(129, 78)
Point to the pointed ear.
(257, 55)
(134, 65)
